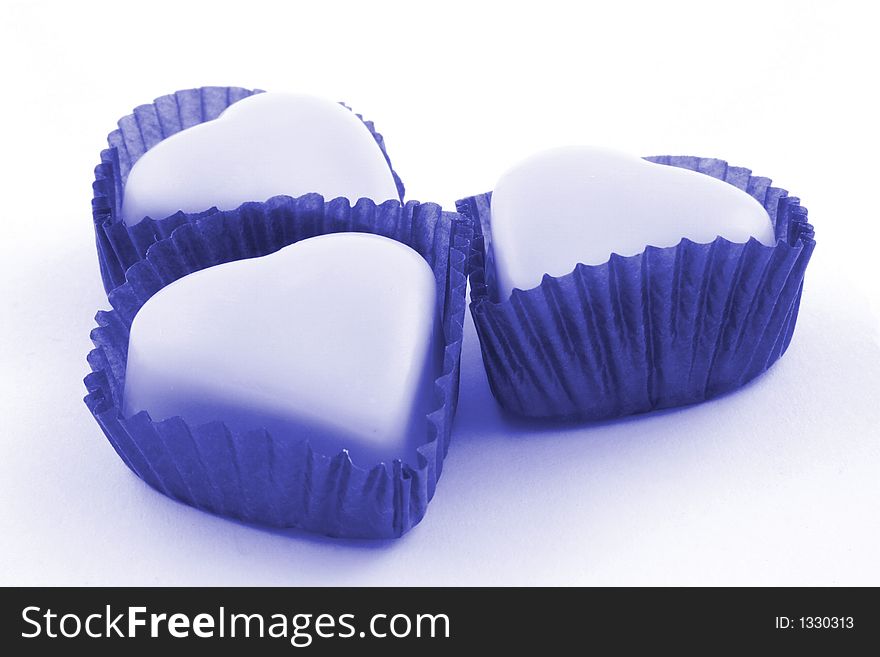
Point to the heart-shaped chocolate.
(580, 204)
(699, 300)
(332, 339)
(265, 145)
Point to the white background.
(778, 483)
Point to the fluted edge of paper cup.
(666, 327)
(255, 476)
(120, 246)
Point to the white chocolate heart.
(265, 145)
(333, 339)
(580, 204)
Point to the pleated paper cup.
(121, 246)
(666, 327)
(279, 480)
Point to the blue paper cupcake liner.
(121, 246)
(666, 327)
(255, 476)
